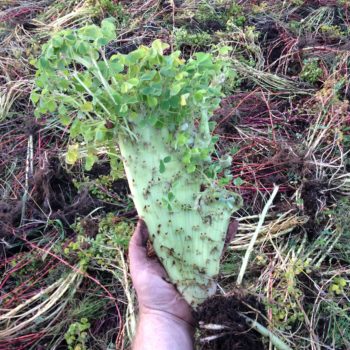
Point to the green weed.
(331, 31)
(199, 39)
(101, 249)
(311, 72)
(77, 336)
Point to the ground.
(64, 231)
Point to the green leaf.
(167, 159)
(224, 50)
(186, 159)
(90, 32)
(159, 46)
(101, 133)
(62, 110)
(191, 168)
(35, 97)
(148, 75)
(161, 167)
(90, 161)
(134, 81)
(181, 76)
(171, 196)
(151, 120)
(116, 67)
(65, 120)
(152, 101)
(175, 89)
(183, 99)
(57, 41)
(63, 83)
(75, 128)
(212, 125)
(215, 139)
(130, 99)
(102, 42)
(51, 105)
(134, 57)
(199, 95)
(108, 28)
(234, 150)
(167, 72)
(238, 181)
(124, 108)
(155, 89)
(44, 63)
(87, 107)
(181, 139)
(224, 181)
(72, 154)
(125, 87)
(69, 35)
(82, 48)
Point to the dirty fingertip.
(140, 235)
(231, 231)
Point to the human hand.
(156, 296)
(165, 320)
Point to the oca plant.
(156, 109)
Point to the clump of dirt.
(52, 187)
(54, 191)
(10, 215)
(312, 198)
(90, 227)
(99, 169)
(226, 311)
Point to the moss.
(183, 37)
(76, 335)
(211, 16)
(331, 31)
(235, 16)
(311, 71)
(105, 8)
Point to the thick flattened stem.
(187, 234)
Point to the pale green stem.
(255, 235)
(189, 236)
(75, 74)
(276, 342)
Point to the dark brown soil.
(312, 197)
(225, 311)
(10, 214)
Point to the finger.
(138, 247)
(139, 259)
(231, 233)
(140, 235)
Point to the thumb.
(231, 233)
(138, 247)
(140, 262)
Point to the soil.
(10, 214)
(225, 311)
(312, 197)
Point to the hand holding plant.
(160, 304)
(156, 109)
